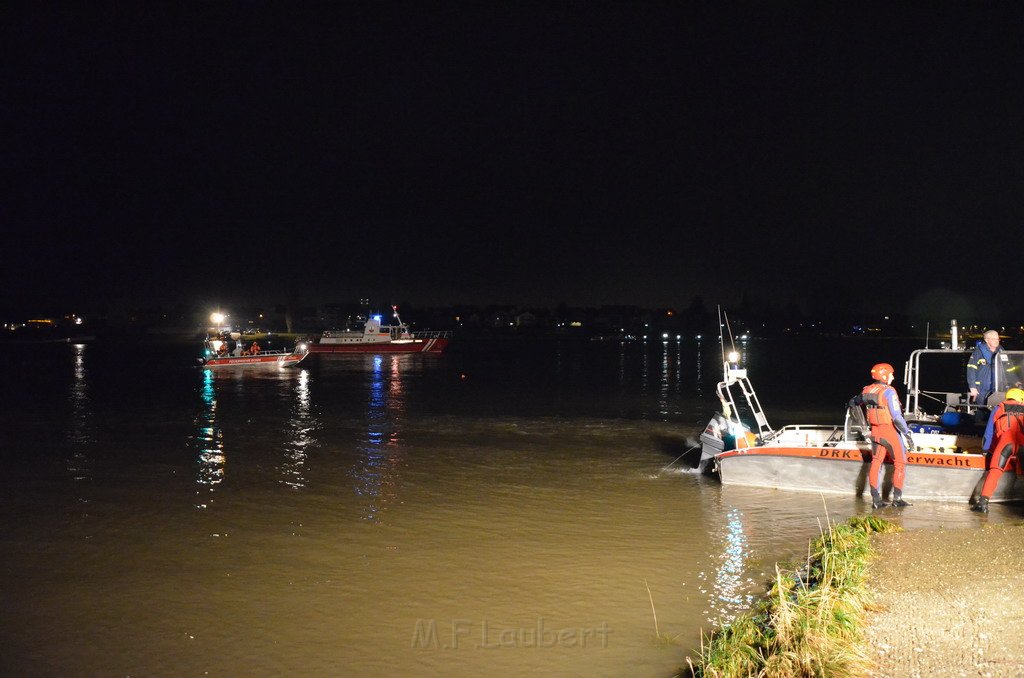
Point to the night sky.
(865, 154)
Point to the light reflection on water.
(302, 427)
(729, 591)
(377, 469)
(367, 494)
(80, 435)
(212, 457)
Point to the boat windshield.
(1011, 371)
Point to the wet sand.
(948, 602)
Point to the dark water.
(498, 510)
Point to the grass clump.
(809, 623)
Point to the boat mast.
(733, 374)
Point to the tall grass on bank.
(810, 622)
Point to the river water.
(502, 509)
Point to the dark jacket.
(982, 367)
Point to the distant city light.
(664, 335)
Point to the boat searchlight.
(734, 357)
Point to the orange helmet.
(882, 371)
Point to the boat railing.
(274, 352)
(948, 400)
(432, 334)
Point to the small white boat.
(227, 350)
(946, 464)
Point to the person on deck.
(883, 412)
(254, 349)
(1004, 436)
(987, 361)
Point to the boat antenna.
(721, 336)
(927, 331)
(732, 342)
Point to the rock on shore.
(949, 602)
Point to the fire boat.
(377, 338)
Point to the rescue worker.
(1004, 436)
(986, 363)
(254, 349)
(883, 412)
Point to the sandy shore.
(949, 602)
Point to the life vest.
(877, 409)
(1011, 417)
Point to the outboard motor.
(721, 435)
(712, 441)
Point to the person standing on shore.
(1006, 427)
(883, 412)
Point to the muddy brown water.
(488, 512)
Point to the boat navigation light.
(377, 318)
(734, 356)
(302, 347)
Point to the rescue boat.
(227, 350)
(374, 337)
(946, 464)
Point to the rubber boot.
(981, 506)
(897, 499)
(876, 500)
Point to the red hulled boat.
(228, 350)
(377, 338)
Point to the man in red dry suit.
(883, 412)
(1004, 436)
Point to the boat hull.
(432, 345)
(844, 470)
(264, 361)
